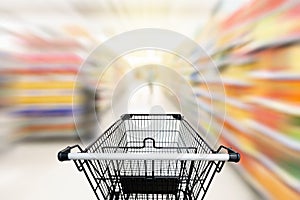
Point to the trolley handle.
(233, 155)
(129, 116)
(63, 154)
(230, 156)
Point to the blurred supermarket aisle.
(255, 48)
(30, 170)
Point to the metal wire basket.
(149, 156)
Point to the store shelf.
(284, 107)
(283, 176)
(194, 78)
(253, 16)
(220, 97)
(276, 76)
(260, 77)
(286, 177)
(238, 146)
(237, 43)
(277, 43)
(252, 182)
(275, 135)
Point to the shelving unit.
(41, 92)
(261, 80)
(40, 64)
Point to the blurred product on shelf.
(41, 89)
(39, 84)
(263, 123)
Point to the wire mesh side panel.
(150, 179)
(201, 172)
(103, 174)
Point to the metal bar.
(148, 156)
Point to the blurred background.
(254, 44)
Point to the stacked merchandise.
(7, 123)
(256, 51)
(40, 77)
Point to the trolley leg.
(114, 196)
(188, 190)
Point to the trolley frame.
(149, 166)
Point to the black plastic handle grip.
(233, 155)
(63, 154)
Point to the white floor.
(31, 171)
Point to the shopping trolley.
(149, 156)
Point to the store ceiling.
(104, 18)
